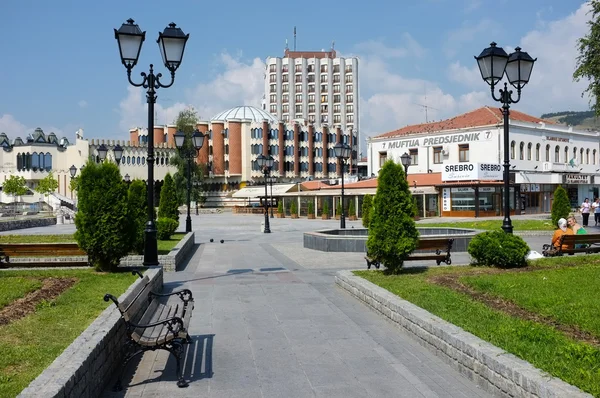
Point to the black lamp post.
(189, 153)
(171, 43)
(73, 171)
(271, 181)
(127, 178)
(266, 164)
(342, 152)
(406, 161)
(493, 63)
(103, 151)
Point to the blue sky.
(61, 68)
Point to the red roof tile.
(485, 116)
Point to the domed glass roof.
(244, 112)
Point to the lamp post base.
(342, 221)
(507, 225)
(267, 226)
(150, 245)
(188, 224)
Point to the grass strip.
(518, 225)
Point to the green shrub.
(165, 227)
(561, 207)
(168, 206)
(293, 207)
(498, 249)
(351, 208)
(325, 208)
(338, 209)
(102, 220)
(392, 231)
(367, 209)
(280, 207)
(138, 209)
(311, 208)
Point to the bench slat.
(132, 305)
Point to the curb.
(492, 368)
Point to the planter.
(337, 217)
(294, 215)
(352, 218)
(325, 216)
(280, 215)
(311, 216)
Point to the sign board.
(472, 171)
(446, 199)
(463, 189)
(487, 189)
(439, 140)
(530, 187)
(576, 179)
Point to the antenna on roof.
(294, 38)
(332, 45)
(426, 107)
(286, 45)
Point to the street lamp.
(342, 152)
(171, 43)
(189, 153)
(73, 171)
(117, 151)
(266, 164)
(271, 181)
(406, 161)
(127, 178)
(493, 62)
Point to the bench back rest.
(131, 308)
(435, 244)
(580, 239)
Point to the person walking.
(585, 211)
(596, 208)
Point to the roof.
(484, 116)
(244, 112)
(258, 191)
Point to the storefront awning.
(258, 191)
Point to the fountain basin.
(355, 239)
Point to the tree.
(103, 223)
(561, 207)
(186, 121)
(73, 185)
(588, 61)
(392, 231)
(15, 186)
(367, 208)
(351, 208)
(47, 185)
(168, 206)
(138, 207)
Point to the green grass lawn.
(30, 344)
(164, 246)
(518, 225)
(566, 294)
(12, 288)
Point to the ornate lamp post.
(103, 151)
(189, 153)
(342, 152)
(171, 43)
(72, 171)
(127, 178)
(266, 164)
(271, 181)
(406, 161)
(493, 63)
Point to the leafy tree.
(103, 223)
(293, 207)
(588, 61)
(392, 231)
(138, 208)
(561, 207)
(338, 209)
(168, 206)
(47, 185)
(280, 207)
(311, 208)
(351, 208)
(186, 121)
(367, 208)
(74, 184)
(15, 186)
(325, 208)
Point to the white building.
(317, 87)
(460, 160)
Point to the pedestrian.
(596, 207)
(585, 211)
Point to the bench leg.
(177, 350)
(128, 355)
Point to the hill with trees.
(580, 120)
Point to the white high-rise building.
(315, 87)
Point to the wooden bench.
(437, 249)
(155, 321)
(586, 243)
(8, 250)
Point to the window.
(336, 88)
(337, 108)
(463, 153)
(272, 78)
(349, 98)
(537, 153)
(567, 153)
(285, 98)
(594, 156)
(337, 118)
(521, 150)
(323, 88)
(272, 68)
(349, 118)
(273, 88)
(285, 87)
(311, 88)
(323, 78)
(324, 108)
(512, 149)
(348, 79)
(337, 98)
(323, 68)
(350, 108)
(324, 119)
(273, 108)
(285, 67)
(311, 98)
(298, 79)
(285, 108)
(548, 153)
(298, 88)
(311, 108)
(437, 155)
(298, 110)
(414, 157)
(587, 156)
(311, 78)
(298, 97)
(311, 68)
(286, 118)
(311, 118)
(298, 68)
(273, 98)
(324, 98)
(529, 151)
(557, 154)
(581, 156)
(336, 69)
(349, 88)
(336, 79)
(348, 68)
(382, 158)
(285, 78)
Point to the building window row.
(34, 161)
(580, 156)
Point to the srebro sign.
(471, 171)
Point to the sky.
(61, 69)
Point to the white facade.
(316, 87)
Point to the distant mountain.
(581, 120)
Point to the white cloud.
(472, 5)
(82, 103)
(409, 47)
(11, 126)
(458, 38)
(470, 77)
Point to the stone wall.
(30, 223)
(86, 367)
(492, 368)
(169, 262)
